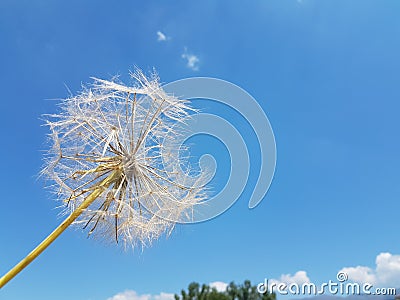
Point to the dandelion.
(113, 163)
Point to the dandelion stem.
(103, 185)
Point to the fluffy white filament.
(110, 127)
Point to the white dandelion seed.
(113, 129)
(111, 166)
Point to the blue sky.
(325, 72)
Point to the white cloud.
(164, 296)
(299, 278)
(219, 285)
(386, 272)
(133, 295)
(161, 37)
(192, 61)
(360, 274)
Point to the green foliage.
(243, 291)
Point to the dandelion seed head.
(112, 136)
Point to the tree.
(245, 291)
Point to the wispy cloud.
(133, 295)
(192, 61)
(386, 272)
(162, 37)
